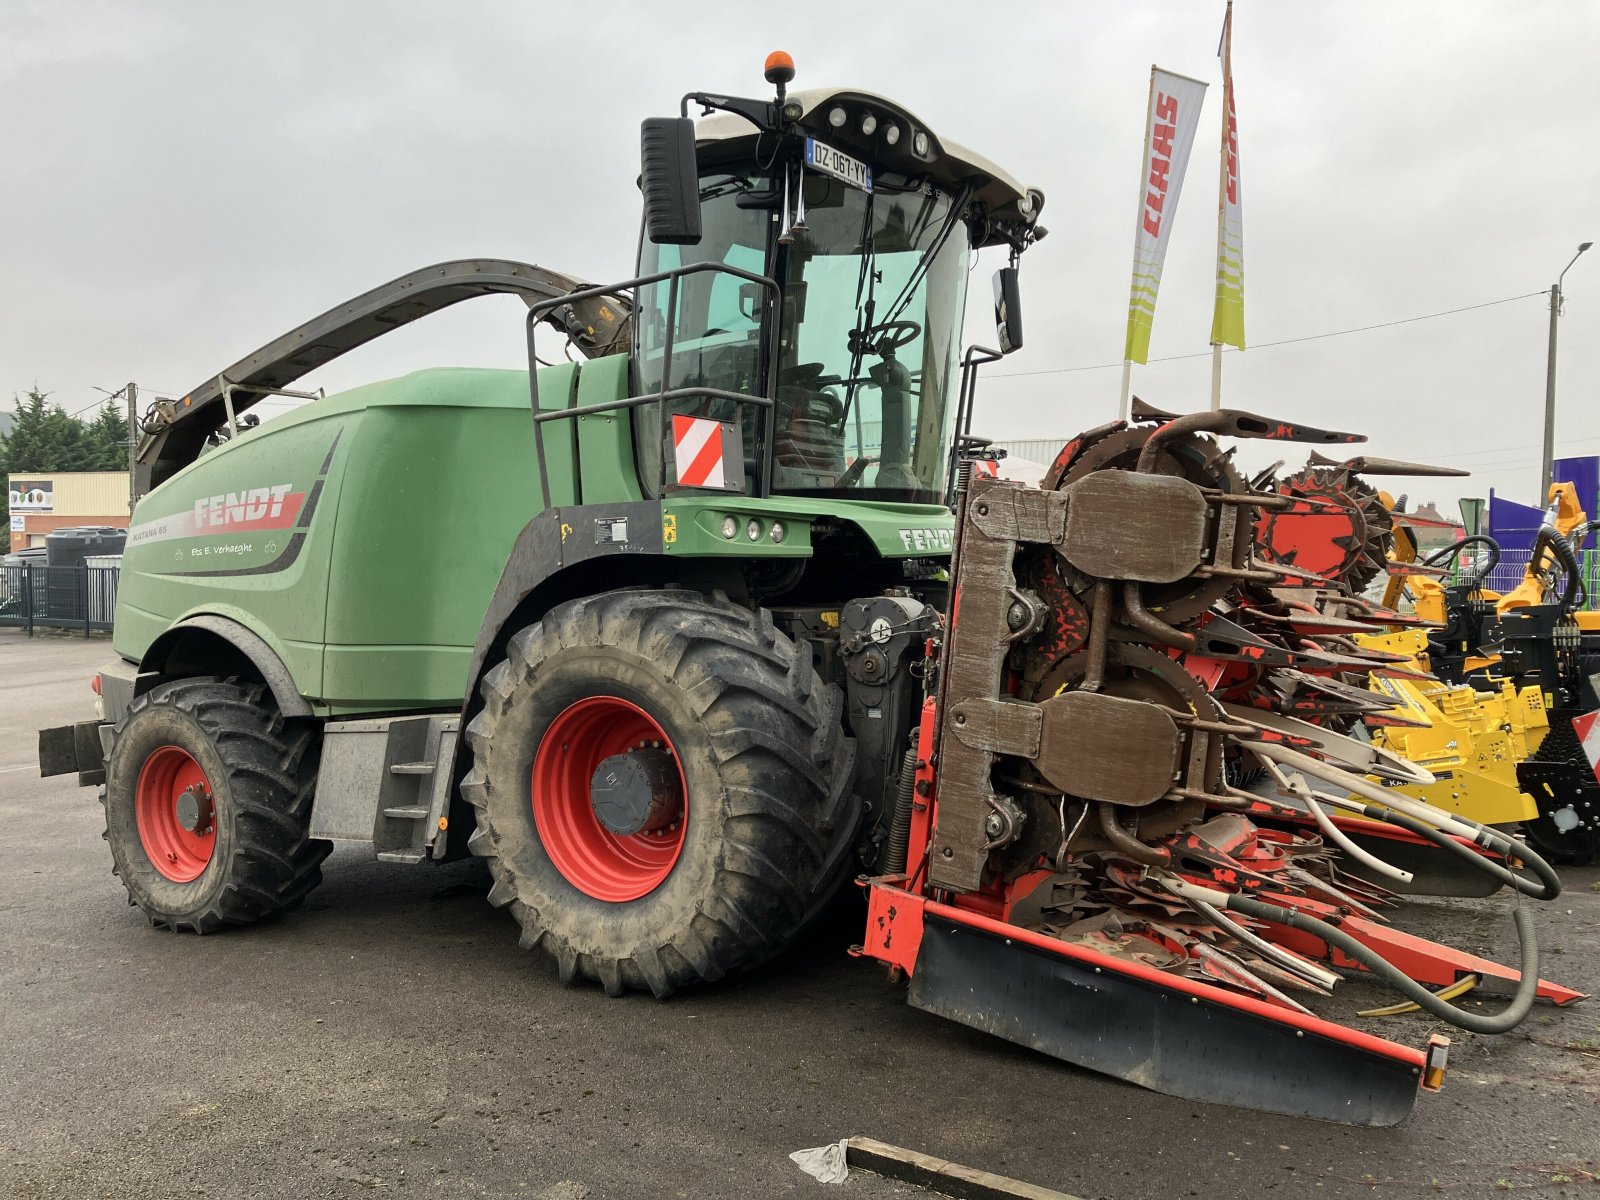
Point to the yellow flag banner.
(1171, 120)
(1227, 320)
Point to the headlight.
(778, 532)
(920, 143)
(891, 134)
(837, 117)
(869, 123)
(730, 528)
(753, 530)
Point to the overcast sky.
(182, 182)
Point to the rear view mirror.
(670, 181)
(750, 297)
(1008, 309)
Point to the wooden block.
(941, 1175)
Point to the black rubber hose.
(1505, 1020)
(1548, 885)
(1573, 595)
(1454, 548)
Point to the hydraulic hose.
(1548, 886)
(1574, 593)
(1383, 801)
(1475, 581)
(1507, 1019)
(1293, 963)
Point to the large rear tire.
(207, 803)
(754, 818)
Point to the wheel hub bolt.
(195, 811)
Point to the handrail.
(975, 357)
(537, 311)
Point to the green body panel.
(692, 525)
(171, 568)
(607, 471)
(362, 536)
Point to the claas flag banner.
(1227, 321)
(1170, 124)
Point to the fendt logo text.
(238, 508)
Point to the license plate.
(822, 157)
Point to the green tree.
(108, 434)
(45, 438)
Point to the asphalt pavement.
(390, 1037)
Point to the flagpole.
(1222, 186)
(1144, 159)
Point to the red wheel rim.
(594, 860)
(179, 854)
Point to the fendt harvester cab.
(651, 654)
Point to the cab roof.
(947, 162)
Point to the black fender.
(561, 554)
(555, 540)
(245, 641)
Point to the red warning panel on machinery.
(1587, 728)
(703, 450)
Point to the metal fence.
(1509, 571)
(36, 596)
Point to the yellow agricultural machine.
(1539, 635)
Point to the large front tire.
(207, 804)
(753, 770)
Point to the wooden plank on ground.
(941, 1175)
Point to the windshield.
(874, 285)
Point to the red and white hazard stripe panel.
(698, 450)
(1588, 730)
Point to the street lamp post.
(1547, 469)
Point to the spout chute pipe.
(1502, 1022)
(1454, 548)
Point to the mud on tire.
(259, 771)
(770, 814)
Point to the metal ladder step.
(407, 812)
(400, 856)
(412, 768)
